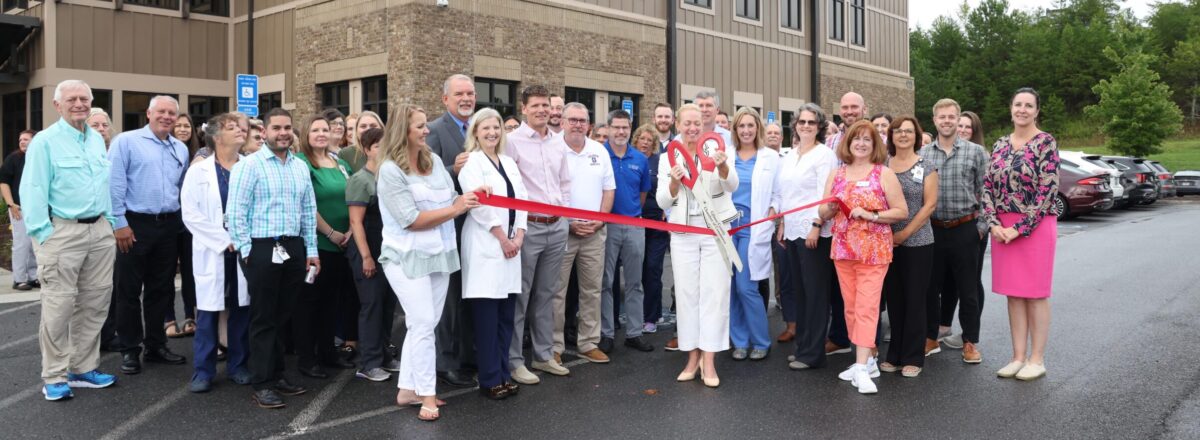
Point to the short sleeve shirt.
(360, 191)
(591, 175)
(10, 174)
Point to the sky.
(923, 12)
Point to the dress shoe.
(711, 382)
(832, 348)
(200, 385)
(130, 364)
(638, 344)
(672, 345)
(740, 354)
(338, 362)
(456, 379)
(288, 389)
(687, 376)
(268, 399)
(932, 347)
(163, 355)
(786, 336)
(551, 367)
(971, 354)
(1031, 371)
(513, 388)
(606, 345)
(498, 392)
(594, 356)
(314, 371)
(523, 376)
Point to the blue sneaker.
(57, 391)
(91, 379)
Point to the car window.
(1119, 166)
(1067, 162)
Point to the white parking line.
(19, 308)
(141, 418)
(314, 409)
(18, 342)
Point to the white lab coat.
(486, 273)
(764, 195)
(200, 200)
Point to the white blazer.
(721, 190)
(486, 273)
(200, 200)
(764, 195)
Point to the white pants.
(24, 263)
(701, 292)
(422, 299)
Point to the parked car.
(1136, 169)
(1093, 163)
(1081, 192)
(1188, 183)
(1166, 182)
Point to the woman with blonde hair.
(419, 250)
(757, 196)
(353, 154)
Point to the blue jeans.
(747, 317)
(657, 243)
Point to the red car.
(1081, 192)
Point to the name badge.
(918, 174)
(279, 255)
(862, 184)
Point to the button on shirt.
(147, 173)
(802, 179)
(66, 175)
(592, 174)
(632, 173)
(543, 164)
(271, 198)
(960, 178)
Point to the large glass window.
(269, 101)
(789, 14)
(837, 20)
(133, 115)
(35, 109)
(858, 18)
(203, 108)
(496, 94)
(374, 96)
(785, 122)
(700, 3)
(164, 4)
(102, 99)
(747, 9)
(617, 101)
(209, 7)
(587, 97)
(336, 95)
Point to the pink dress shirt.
(543, 164)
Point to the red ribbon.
(581, 214)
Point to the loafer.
(315, 372)
(456, 379)
(268, 399)
(57, 391)
(22, 286)
(1031, 371)
(1009, 371)
(91, 379)
(513, 388)
(932, 347)
(130, 363)
(672, 345)
(163, 355)
(200, 385)
(551, 367)
(786, 336)
(594, 356)
(606, 345)
(498, 392)
(740, 354)
(241, 377)
(288, 389)
(392, 365)
(971, 354)
(832, 348)
(374, 375)
(523, 376)
(638, 344)
(758, 354)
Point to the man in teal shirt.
(66, 197)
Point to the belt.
(272, 240)
(948, 224)
(83, 221)
(544, 220)
(155, 217)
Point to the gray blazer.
(446, 140)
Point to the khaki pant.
(588, 255)
(76, 267)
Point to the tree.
(1183, 70)
(1136, 108)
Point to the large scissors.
(702, 197)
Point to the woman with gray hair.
(99, 120)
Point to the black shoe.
(130, 364)
(393, 351)
(286, 388)
(606, 345)
(498, 392)
(513, 388)
(268, 399)
(36, 284)
(456, 379)
(348, 352)
(338, 362)
(638, 344)
(314, 371)
(164, 356)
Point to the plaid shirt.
(271, 198)
(960, 178)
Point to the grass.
(1176, 155)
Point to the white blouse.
(802, 181)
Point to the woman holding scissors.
(700, 268)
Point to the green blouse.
(329, 186)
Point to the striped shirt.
(269, 198)
(960, 178)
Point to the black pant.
(837, 310)
(187, 288)
(493, 318)
(377, 311)
(146, 281)
(657, 243)
(904, 290)
(316, 312)
(955, 263)
(273, 290)
(950, 294)
(812, 280)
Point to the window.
(269, 101)
(203, 108)
(13, 109)
(583, 96)
(209, 7)
(102, 99)
(837, 20)
(336, 95)
(133, 115)
(747, 9)
(789, 14)
(374, 96)
(858, 17)
(496, 94)
(616, 101)
(700, 3)
(13, 4)
(35, 109)
(165, 4)
(785, 121)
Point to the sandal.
(189, 327)
(888, 367)
(427, 410)
(911, 371)
(172, 330)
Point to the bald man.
(852, 108)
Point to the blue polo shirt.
(633, 177)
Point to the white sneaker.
(954, 341)
(872, 369)
(524, 377)
(862, 380)
(552, 367)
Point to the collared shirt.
(271, 198)
(543, 164)
(147, 173)
(960, 177)
(591, 175)
(66, 176)
(632, 173)
(462, 125)
(802, 179)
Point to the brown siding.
(273, 48)
(37, 49)
(709, 61)
(887, 38)
(127, 42)
(649, 8)
(723, 22)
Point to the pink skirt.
(1024, 268)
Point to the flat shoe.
(432, 418)
(911, 371)
(1031, 371)
(1009, 371)
(887, 367)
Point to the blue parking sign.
(247, 94)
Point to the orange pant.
(861, 286)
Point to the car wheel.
(1064, 209)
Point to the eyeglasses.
(802, 122)
(904, 131)
(577, 121)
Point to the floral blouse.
(1022, 181)
(858, 239)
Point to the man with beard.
(664, 123)
(272, 217)
(556, 114)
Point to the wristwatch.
(816, 225)
(876, 216)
